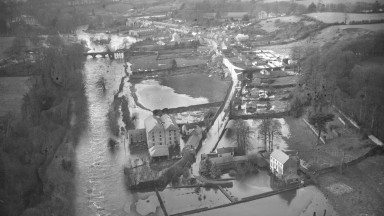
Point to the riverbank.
(37, 152)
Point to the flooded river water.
(99, 174)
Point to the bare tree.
(242, 136)
(264, 130)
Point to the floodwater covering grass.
(186, 199)
(197, 85)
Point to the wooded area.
(336, 74)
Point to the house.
(161, 133)
(229, 162)
(227, 151)
(195, 138)
(164, 25)
(241, 37)
(262, 15)
(137, 138)
(284, 165)
(234, 16)
(141, 32)
(186, 129)
(119, 54)
(209, 16)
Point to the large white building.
(161, 133)
(284, 166)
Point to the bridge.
(102, 54)
(118, 54)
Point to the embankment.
(168, 72)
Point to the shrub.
(67, 165)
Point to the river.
(99, 170)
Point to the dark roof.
(235, 14)
(209, 15)
(225, 150)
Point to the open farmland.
(308, 2)
(332, 17)
(269, 25)
(332, 33)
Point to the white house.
(283, 166)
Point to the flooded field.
(152, 95)
(198, 85)
(303, 202)
(186, 199)
(256, 142)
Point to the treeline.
(358, 7)
(30, 142)
(51, 18)
(347, 74)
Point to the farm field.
(308, 2)
(269, 25)
(333, 17)
(332, 33)
(12, 90)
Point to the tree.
(245, 18)
(174, 64)
(269, 128)
(319, 121)
(264, 130)
(205, 167)
(215, 171)
(242, 135)
(275, 129)
(311, 8)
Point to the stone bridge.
(102, 54)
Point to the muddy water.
(152, 95)
(99, 174)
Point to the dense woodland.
(347, 74)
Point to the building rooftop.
(280, 156)
(158, 151)
(225, 150)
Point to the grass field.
(268, 25)
(12, 90)
(333, 17)
(366, 181)
(304, 140)
(332, 33)
(308, 2)
(5, 43)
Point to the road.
(219, 124)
